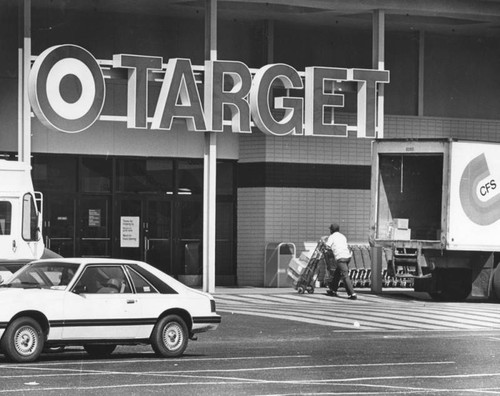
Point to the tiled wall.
(297, 215)
(293, 215)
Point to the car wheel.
(23, 340)
(170, 336)
(99, 350)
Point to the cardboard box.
(400, 223)
(305, 256)
(399, 234)
(297, 265)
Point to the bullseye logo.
(477, 192)
(66, 88)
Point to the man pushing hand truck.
(337, 262)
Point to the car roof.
(89, 260)
(84, 261)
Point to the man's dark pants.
(340, 271)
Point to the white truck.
(435, 214)
(20, 218)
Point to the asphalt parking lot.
(254, 355)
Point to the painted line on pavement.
(340, 381)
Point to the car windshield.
(46, 275)
(7, 270)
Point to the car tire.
(23, 340)
(170, 336)
(99, 350)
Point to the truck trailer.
(435, 214)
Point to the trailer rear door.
(410, 188)
(474, 210)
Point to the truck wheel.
(170, 336)
(23, 340)
(455, 285)
(457, 294)
(495, 284)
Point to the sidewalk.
(389, 292)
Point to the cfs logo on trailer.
(55, 101)
(480, 192)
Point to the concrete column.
(421, 70)
(24, 65)
(376, 274)
(378, 62)
(209, 163)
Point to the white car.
(99, 304)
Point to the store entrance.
(144, 231)
(59, 223)
(78, 227)
(95, 228)
(148, 209)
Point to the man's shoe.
(332, 293)
(353, 297)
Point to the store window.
(87, 197)
(190, 177)
(55, 173)
(96, 174)
(225, 180)
(144, 175)
(224, 238)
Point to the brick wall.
(299, 214)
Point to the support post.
(421, 70)
(378, 62)
(209, 163)
(376, 274)
(24, 65)
(269, 35)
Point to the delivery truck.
(435, 214)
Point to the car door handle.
(131, 301)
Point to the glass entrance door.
(129, 226)
(95, 229)
(144, 228)
(188, 238)
(158, 235)
(60, 224)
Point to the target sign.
(66, 88)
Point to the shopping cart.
(304, 275)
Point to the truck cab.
(20, 217)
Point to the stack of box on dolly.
(296, 267)
(308, 270)
(398, 230)
(298, 264)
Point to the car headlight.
(212, 305)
